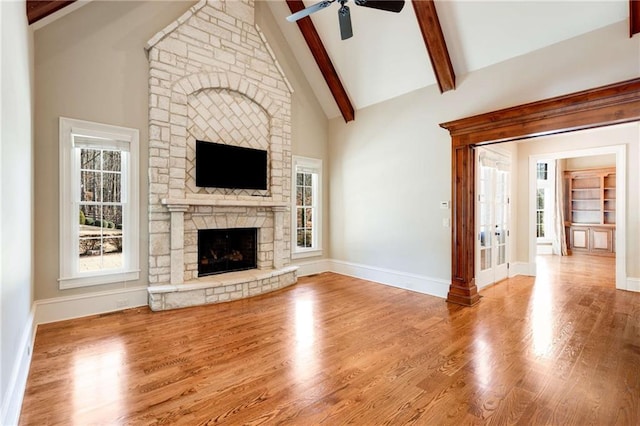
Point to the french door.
(492, 216)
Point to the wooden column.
(463, 290)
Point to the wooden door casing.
(603, 106)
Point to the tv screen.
(226, 166)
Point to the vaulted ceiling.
(387, 55)
(392, 54)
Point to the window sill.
(306, 253)
(91, 280)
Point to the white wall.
(391, 166)
(590, 162)
(16, 211)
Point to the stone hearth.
(213, 77)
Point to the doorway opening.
(590, 185)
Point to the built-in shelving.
(591, 210)
(592, 196)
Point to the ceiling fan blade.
(386, 5)
(309, 10)
(344, 17)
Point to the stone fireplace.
(213, 77)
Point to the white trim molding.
(419, 283)
(82, 305)
(312, 267)
(522, 268)
(12, 402)
(633, 284)
(405, 280)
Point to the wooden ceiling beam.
(324, 62)
(435, 43)
(39, 9)
(634, 17)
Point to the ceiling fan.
(344, 15)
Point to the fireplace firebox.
(226, 250)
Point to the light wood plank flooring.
(561, 349)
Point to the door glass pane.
(485, 237)
(502, 255)
(485, 259)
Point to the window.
(540, 213)
(98, 204)
(545, 202)
(542, 170)
(306, 217)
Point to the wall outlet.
(122, 303)
(446, 222)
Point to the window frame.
(125, 140)
(313, 166)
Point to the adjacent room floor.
(563, 348)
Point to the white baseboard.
(12, 403)
(633, 284)
(544, 249)
(522, 268)
(82, 305)
(418, 283)
(311, 267)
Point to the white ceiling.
(387, 57)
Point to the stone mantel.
(181, 204)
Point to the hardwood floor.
(561, 349)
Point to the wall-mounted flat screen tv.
(227, 166)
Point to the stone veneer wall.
(213, 77)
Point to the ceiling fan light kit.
(344, 13)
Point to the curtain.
(560, 241)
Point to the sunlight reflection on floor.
(305, 355)
(540, 306)
(99, 379)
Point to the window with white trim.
(545, 202)
(307, 210)
(98, 204)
